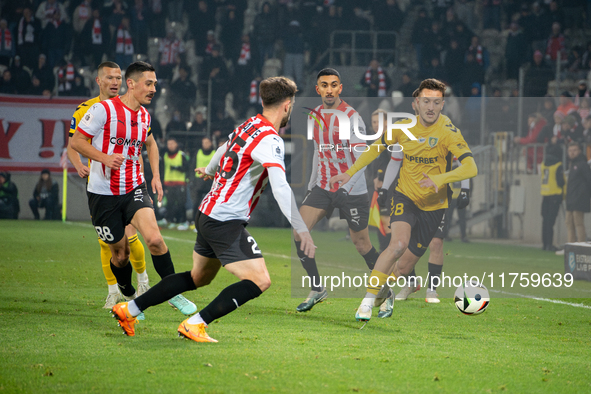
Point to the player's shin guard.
(434, 272)
(311, 268)
(106, 263)
(164, 290)
(229, 299)
(137, 256)
(163, 265)
(371, 257)
(123, 275)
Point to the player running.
(332, 156)
(117, 195)
(242, 167)
(420, 198)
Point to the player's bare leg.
(435, 268)
(311, 216)
(384, 266)
(144, 221)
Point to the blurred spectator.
(95, 38)
(464, 9)
(158, 19)
(552, 189)
(206, 17)
(479, 52)
(587, 57)
(9, 204)
(265, 33)
(20, 76)
(462, 35)
(214, 68)
(114, 13)
(566, 105)
(454, 62)
(28, 36)
(376, 80)
(45, 75)
(542, 22)
(584, 108)
(535, 123)
(36, 89)
(420, 35)
(45, 195)
(582, 91)
(175, 10)
(548, 107)
(555, 14)
(440, 7)
(65, 79)
(448, 26)
(537, 77)
(435, 44)
(587, 136)
(578, 192)
(200, 186)
(556, 44)
(574, 66)
(183, 92)
(528, 23)
(170, 50)
(199, 125)
(243, 74)
(387, 18)
(491, 12)
(176, 123)
(176, 166)
(81, 15)
(472, 73)
(46, 11)
(124, 49)
(571, 130)
(232, 26)
(293, 43)
(407, 87)
(503, 115)
(435, 70)
(7, 86)
(210, 42)
(318, 36)
(56, 39)
(78, 88)
(7, 46)
(13, 11)
(472, 113)
(515, 51)
(139, 26)
(223, 123)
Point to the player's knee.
(120, 257)
(263, 283)
(155, 243)
(201, 278)
(397, 247)
(436, 245)
(362, 245)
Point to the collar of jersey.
(266, 121)
(118, 98)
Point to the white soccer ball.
(472, 298)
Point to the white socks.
(133, 309)
(196, 319)
(143, 277)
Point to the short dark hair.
(574, 143)
(275, 90)
(137, 68)
(432, 84)
(415, 94)
(107, 64)
(328, 71)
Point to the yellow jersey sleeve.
(79, 113)
(458, 147)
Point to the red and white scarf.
(477, 54)
(25, 33)
(170, 49)
(254, 92)
(382, 81)
(69, 72)
(6, 39)
(244, 54)
(124, 43)
(97, 33)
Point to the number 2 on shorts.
(255, 249)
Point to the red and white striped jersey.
(333, 156)
(115, 128)
(242, 174)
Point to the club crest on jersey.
(87, 119)
(433, 141)
(277, 153)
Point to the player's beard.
(285, 119)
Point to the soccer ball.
(471, 298)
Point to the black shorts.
(227, 241)
(356, 212)
(424, 224)
(442, 229)
(110, 214)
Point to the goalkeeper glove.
(463, 199)
(382, 198)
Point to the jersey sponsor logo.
(87, 119)
(421, 160)
(421, 140)
(433, 141)
(126, 142)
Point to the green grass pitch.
(55, 336)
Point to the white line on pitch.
(543, 299)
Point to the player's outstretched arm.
(286, 200)
(154, 158)
(467, 170)
(74, 157)
(79, 144)
(208, 172)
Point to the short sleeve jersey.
(336, 156)
(79, 113)
(242, 175)
(431, 154)
(115, 128)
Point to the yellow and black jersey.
(432, 154)
(80, 111)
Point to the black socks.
(229, 299)
(163, 264)
(164, 290)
